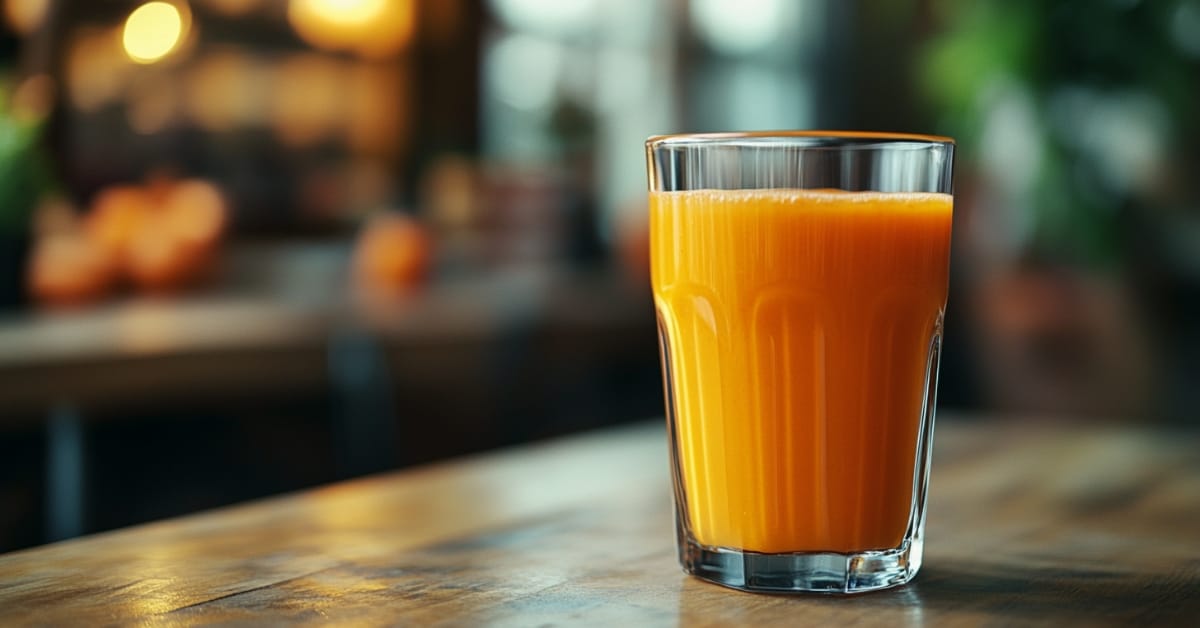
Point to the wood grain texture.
(1028, 525)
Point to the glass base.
(802, 572)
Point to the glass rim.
(854, 137)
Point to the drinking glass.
(800, 283)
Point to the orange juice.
(797, 329)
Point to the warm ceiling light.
(153, 31)
(342, 12)
(372, 28)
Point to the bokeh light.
(375, 109)
(153, 104)
(25, 16)
(153, 31)
(523, 71)
(738, 27)
(370, 28)
(224, 90)
(96, 69)
(551, 18)
(33, 97)
(308, 100)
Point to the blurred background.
(250, 246)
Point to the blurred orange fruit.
(194, 212)
(118, 214)
(69, 268)
(176, 243)
(157, 263)
(392, 254)
(162, 235)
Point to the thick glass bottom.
(802, 572)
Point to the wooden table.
(1028, 525)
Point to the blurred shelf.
(272, 321)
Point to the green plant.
(1075, 111)
(24, 172)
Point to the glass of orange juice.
(800, 281)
